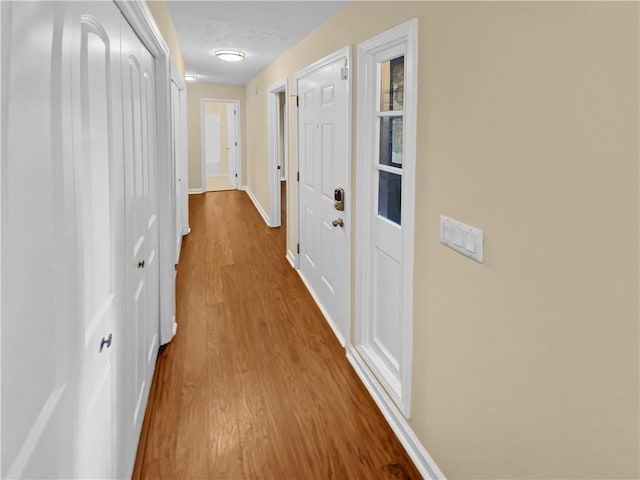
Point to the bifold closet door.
(141, 259)
(93, 30)
(39, 321)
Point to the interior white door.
(138, 96)
(176, 134)
(232, 144)
(212, 144)
(98, 172)
(39, 322)
(324, 165)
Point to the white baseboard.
(291, 258)
(253, 198)
(195, 191)
(336, 332)
(416, 451)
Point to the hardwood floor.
(255, 385)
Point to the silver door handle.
(106, 342)
(338, 222)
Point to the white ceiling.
(262, 29)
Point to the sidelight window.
(390, 118)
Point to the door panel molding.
(387, 350)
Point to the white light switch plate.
(464, 239)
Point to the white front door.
(323, 129)
(138, 97)
(94, 32)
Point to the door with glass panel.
(386, 162)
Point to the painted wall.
(195, 93)
(162, 16)
(525, 366)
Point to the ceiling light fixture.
(230, 55)
(190, 77)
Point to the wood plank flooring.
(255, 385)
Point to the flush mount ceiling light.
(190, 77)
(230, 55)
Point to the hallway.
(255, 384)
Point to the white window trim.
(403, 35)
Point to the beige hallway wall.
(525, 366)
(195, 93)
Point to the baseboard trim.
(256, 204)
(416, 451)
(195, 191)
(291, 259)
(336, 332)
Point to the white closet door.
(94, 35)
(141, 259)
(38, 315)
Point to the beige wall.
(195, 93)
(525, 366)
(164, 21)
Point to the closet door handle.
(141, 264)
(106, 342)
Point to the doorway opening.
(278, 158)
(220, 144)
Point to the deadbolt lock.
(338, 199)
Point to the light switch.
(457, 236)
(462, 238)
(447, 232)
(470, 242)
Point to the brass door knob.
(338, 222)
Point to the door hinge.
(235, 144)
(235, 113)
(298, 176)
(298, 249)
(236, 175)
(344, 73)
(297, 100)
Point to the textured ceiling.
(262, 29)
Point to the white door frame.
(274, 175)
(343, 53)
(237, 160)
(404, 34)
(143, 24)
